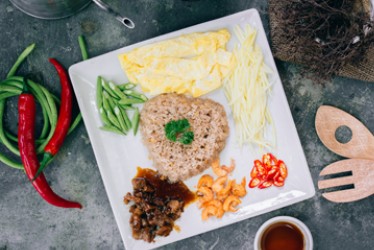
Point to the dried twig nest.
(324, 35)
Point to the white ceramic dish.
(118, 156)
(308, 239)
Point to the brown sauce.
(282, 236)
(165, 189)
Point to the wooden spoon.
(329, 119)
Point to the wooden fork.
(362, 178)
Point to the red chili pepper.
(64, 118)
(270, 171)
(26, 144)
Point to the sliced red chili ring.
(265, 184)
(254, 172)
(270, 171)
(278, 183)
(283, 170)
(254, 182)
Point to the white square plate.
(118, 156)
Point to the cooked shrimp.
(231, 168)
(230, 203)
(217, 168)
(218, 205)
(221, 195)
(219, 183)
(239, 189)
(205, 181)
(209, 211)
(205, 194)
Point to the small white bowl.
(308, 239)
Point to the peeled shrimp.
(205, 194)
(205, 181)
(218, 205)
(230, 203)
(217, 168)
(209, 211)
(221, 195)
(219, 184)
(239, 189)
(231, 168)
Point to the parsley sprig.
(179, 131)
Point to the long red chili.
(64, 118)
(26, 144)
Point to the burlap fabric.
(363, 71)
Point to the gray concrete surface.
(26, 222)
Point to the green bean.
(7, 95)
(135, 94)
(20, 59)
(82, 46)
(106, 102)
(126, 86)
(126, 106)
(112, 103)
(10, 163)
(99, 93)
(127, 101)
(12, 86)
(11, 136)
(113, 119)
(12, 148)
(75, 123)
(104, 117)
(121, 120)
(116, 90)
(126, 118)
(111, 129)
(17, 82)
(109, 90)
(135, 120)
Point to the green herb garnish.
(179, 131)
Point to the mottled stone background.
(26, 222)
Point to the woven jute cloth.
(363, 70)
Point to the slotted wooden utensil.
(360, 147)
(362, 178)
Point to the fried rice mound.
(208, 122)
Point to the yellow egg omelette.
(194, 63)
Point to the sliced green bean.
(20, 59)
(116, 90)
(106, 101)
(125, 118)
(99, 92)
(112, 103)
(113, 119)
(126, 86)
(109, 90)
(126, 106)
(121, 120)
(104, 117)
(111, 129)
(135, 94)
(127, 101)
(135, 120)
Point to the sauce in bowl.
(282, 236)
